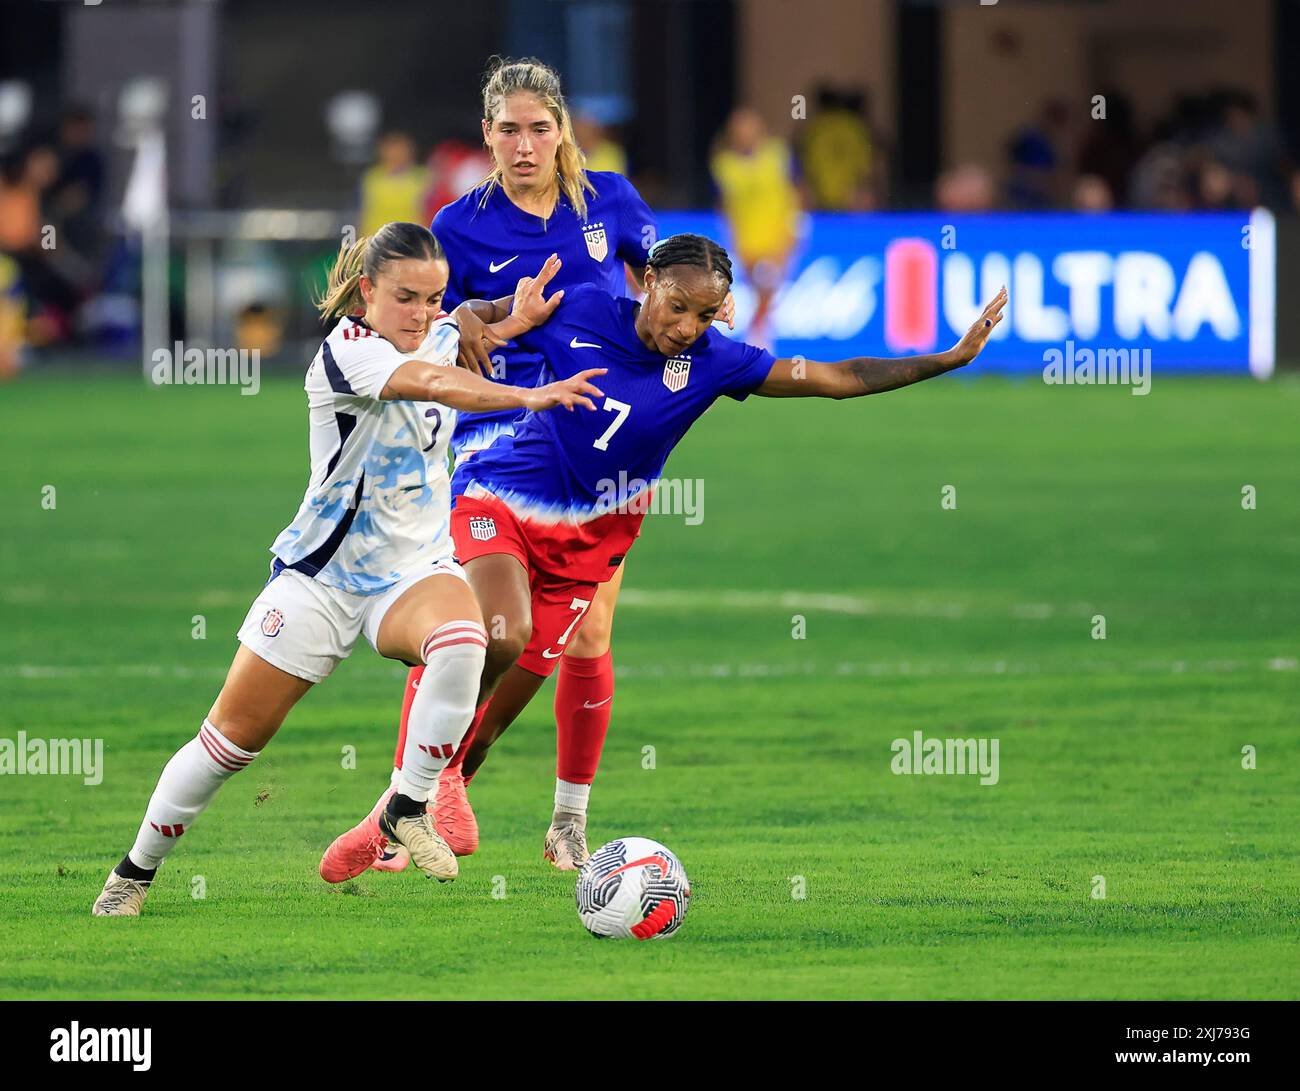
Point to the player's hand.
(477, 340)
(567, 392)
(529, 306)
(965, 350)
(727, 313)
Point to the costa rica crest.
(272, 623)
(676, 372)
(597, 243)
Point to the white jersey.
(377, 507)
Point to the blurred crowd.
(52, 233)
(1210, 151)
(60, 256)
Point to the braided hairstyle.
(687, 249)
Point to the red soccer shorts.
(483, 526)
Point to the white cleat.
(566, 841)
(429, 852)
(120, 897)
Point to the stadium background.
(1122, 757)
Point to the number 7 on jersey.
(622, 409)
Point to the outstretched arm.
(868, 375)
(418, 380)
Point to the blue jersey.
(491, 247)
(584, 466)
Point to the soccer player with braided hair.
(535, 520)
(538, 200)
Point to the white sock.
(571, 797)
(444, 705)
(189, 782)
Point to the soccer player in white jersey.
(369, 551)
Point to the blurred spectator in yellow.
(837, 153)
(258, 327)
(11, 319)
(52, 297)
(394, 188)
(602, 150)
(455, 167)
(965, 188)
(755, 177)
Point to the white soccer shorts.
(307, 629)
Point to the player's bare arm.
(420, 381)
(869, 375)
(487, 324)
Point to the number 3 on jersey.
(622, 409)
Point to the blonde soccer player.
(368, 552)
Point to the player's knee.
(502, 651)
(247, 729)
(589, 643)
(593, 636)
(456, 651)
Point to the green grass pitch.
(1120, 758)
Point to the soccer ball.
(632, 888)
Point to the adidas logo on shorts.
(482, 527)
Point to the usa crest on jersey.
(482, 527)
(676, 372)
(597, 243)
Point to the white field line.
(33, 672)
(883, 605)
(858, 605)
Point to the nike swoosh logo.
(576, 344)
(659, 862)
(588, 704)
(493, 267)
(548, 654)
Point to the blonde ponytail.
(342, 295)
(531, 76)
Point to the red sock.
(412, 684)
(458, 758)
(584, 693)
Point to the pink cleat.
(393, 858)
(453, 815)
(358, 849)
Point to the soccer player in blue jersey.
(538, 201)
(545, 516)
